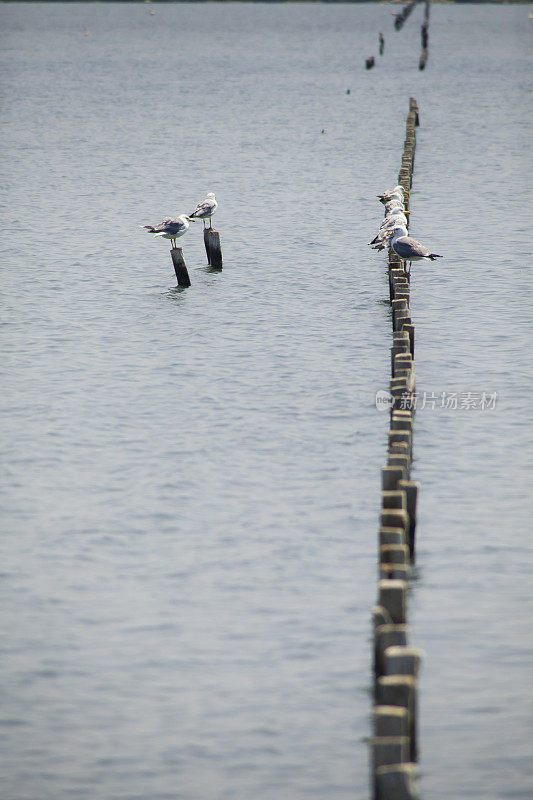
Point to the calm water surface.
(190, 480)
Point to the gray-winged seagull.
(409, 249)
(170, 228)
(205, 209)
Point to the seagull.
(390, 221)
(409, 249)
(393, 205)
(396, 193)
(205, 210)
(170, 228)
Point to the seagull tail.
(433, 256)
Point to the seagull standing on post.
(170, 228)
(205, 209)
(409, 249)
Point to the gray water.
(191, 478)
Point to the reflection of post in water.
(381, 44)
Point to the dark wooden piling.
(397, 782)
(180, 267)
(212, 248)
(369, 62)
(424, 36)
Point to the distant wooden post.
(212, 248)
(180, 267)
(369, 62)
(411, 494)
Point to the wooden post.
(391, 474)
(387, 750)
(381, 617)
(394, 554)
(391, 536)
(400, 461)
(402, 660)
(411, 493)
(212, 248)
(394, 518)
(180, 267)
(393, 498)
(394, 572)
(390, 721)
(400, 690)
(387, 636)
(397, 781)
(392, 595)
(410, 330)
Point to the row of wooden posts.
(394, 747)
(214, 257)
(400, 18)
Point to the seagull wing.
(408, 248)
(202, 208)
(169, 225)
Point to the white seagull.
(393, 219)
(398, 192)
(205, 209)
(409, 249)
(170, 228)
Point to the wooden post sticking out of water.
(212, 248)
(180, 267)
(401, 690)
(397, 781)
(369, 62)
(411, 495)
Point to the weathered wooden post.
(397, 781)
(411, 494)
(212, 248)
(392, 596)
(401, 690)
(388, 750)
(180, 267)
(369, 62)
(387, 636)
